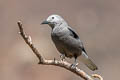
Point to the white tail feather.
(84, 58)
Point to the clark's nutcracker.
(67, 41)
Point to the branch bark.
(63, 64)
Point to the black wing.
(77, 37)
(73, 34)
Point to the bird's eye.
(52, 17)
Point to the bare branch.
(63, 64)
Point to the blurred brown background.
(96, 21)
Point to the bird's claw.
(74, 65)
(62, 57)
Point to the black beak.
(45, 22)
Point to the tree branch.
(63, 64)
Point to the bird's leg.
(75, 64)
(62, 57)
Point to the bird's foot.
(74, 65)
(62, 57)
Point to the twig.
(63, 64)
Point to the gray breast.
(65, 43)
(57, 36)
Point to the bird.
(67, 41)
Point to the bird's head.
(54, 20)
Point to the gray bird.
(67, 41)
